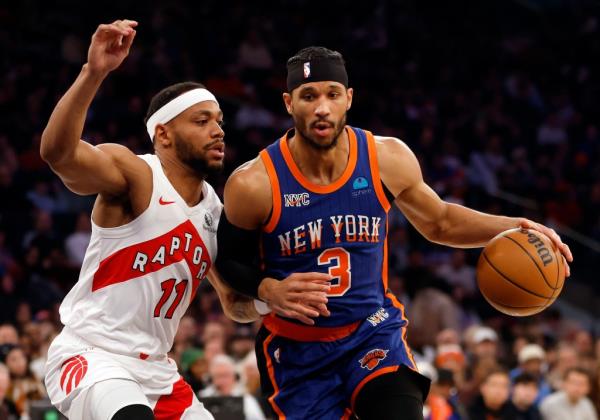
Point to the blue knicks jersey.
(339, 229)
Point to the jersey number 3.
(340, 271)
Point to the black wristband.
(237, 257)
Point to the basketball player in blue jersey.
(317, 200)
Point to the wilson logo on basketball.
(73, 371)
(372, 358)
(540, 247)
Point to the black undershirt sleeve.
(238, 258)
(388, 194)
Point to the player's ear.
(287, 100)
(349, 93)
(161, 135)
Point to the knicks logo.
(73, 371)
(372, 358)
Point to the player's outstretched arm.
(86, 169)
(248, 203)
(238, 307)
(439, 221)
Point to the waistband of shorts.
(70, 333)
(298, 332)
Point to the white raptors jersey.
(137, 280)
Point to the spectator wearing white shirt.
(572, 402)
(225, 383)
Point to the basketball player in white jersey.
(153, 241)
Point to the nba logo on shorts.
(307, 70)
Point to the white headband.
(175, 107)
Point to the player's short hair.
(168, 94)
(311, 53)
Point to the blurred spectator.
(251, 375)
(458, 274)
(241, 342)
(194, 368)
(552, 132)
(24, 387)
(442, 401)
(572, 401)
(450, 357)
(77, 242)
(483, 342)
(41, 198)
(566, 358)
(8, 411)
(524, 395)
(430, 310)
(492, 403)
(532, 360)
(225, 382)
(252, 115)
(8, 334)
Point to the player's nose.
(323, 108)
(217, 131)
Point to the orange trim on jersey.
(366, 379)
(395, 302)
(297, 332)
(271, 399)
(347, 414)
(384, 268)
(377, 184)
(321, 189)
(275, 192)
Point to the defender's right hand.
(110, 45)
(301, 296)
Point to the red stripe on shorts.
(172, 406)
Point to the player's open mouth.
(217, 151)
(322, 128)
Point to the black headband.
(316, 70)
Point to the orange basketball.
(520, 272)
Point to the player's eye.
(308, 97)
(221, 123)
(201, 122)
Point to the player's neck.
(185, 180)
(321, 167)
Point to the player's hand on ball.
(554, 237)
(110, 45)
(301, 296)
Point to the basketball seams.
(532, 259)
(509, 280)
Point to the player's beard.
(302, 128)
(196, 159)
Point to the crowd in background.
(497, 100)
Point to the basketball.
(520, 272)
